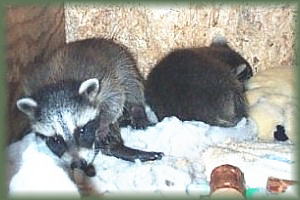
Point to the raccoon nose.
(88, 169)
(80, 164)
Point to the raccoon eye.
(81, 131)
(85, 136)
(57, 145)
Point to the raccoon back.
(82, 60)
(193, 85)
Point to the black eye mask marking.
(57, 145)
(85, 136)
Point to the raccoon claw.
(140, 123)
(150, 156)
(139, 118)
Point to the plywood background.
(263, 34)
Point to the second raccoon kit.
(204, 84)
(75, 99)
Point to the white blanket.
(192, 150)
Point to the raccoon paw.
(105, 141)
(103, 137)
(140, 123)
(108, 141)
(138, 117)
(150, 156)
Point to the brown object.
(227, 180)
(276, 185)
(32, 33)
(84, 183)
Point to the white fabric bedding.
(192, 150)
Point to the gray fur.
(112, 64)
(93, 80)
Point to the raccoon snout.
(80, 164)
(88, 169)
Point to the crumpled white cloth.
(191, 150)
(181, 169)
(257, 160)
(36, 171)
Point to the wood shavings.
(263, 34)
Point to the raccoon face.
(242, 72)
(66, 116)
(231, 108)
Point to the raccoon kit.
(75, 99)
(204, 84)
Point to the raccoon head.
(243, 72)
(65, 115)
(231, 108)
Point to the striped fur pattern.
(72, 100)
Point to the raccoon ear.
(219, 41)
(27, 106)
(239, 69)
(90, 88)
